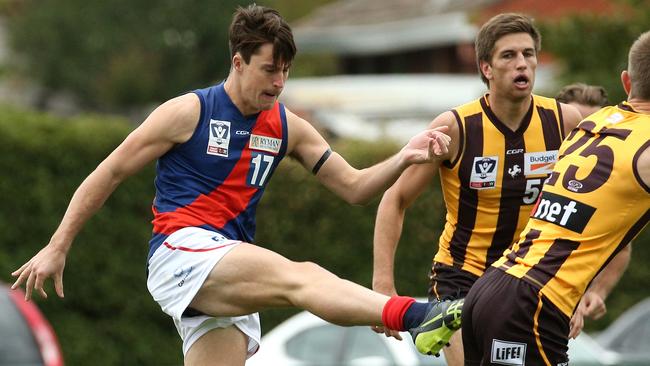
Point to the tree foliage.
(593, 48)
(117, 54)
(122, 53)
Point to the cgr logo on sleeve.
(508, 353)
(484, 172)
(219, 138)
(563, 211)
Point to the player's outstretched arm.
(172, 122)
(358, 186)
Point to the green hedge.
(108, 317)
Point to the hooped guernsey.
(592, 206)
(216, 179)
(492, 184)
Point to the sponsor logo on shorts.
(219, 139)
(182, 272)
(508, 353)
(265, 143)
(539, 163)
(563, 211)
(484, 172)
(219, 238)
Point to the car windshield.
(17, 345)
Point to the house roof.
(358, 27)
(553, 10)
(364, 27)
(360, 12)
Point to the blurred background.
(76, 76)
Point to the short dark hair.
(591, 95)
(638, 67)
(497, 27)
(255, 26)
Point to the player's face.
(512, 70)
(262, 80)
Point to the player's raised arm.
(358, 186)
(172, 122)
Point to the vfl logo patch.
(508, 353)
(539, 163)
(219, 138)
(563, 212)
(484, 172)
(265, 143)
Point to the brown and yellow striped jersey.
(592, 205)
(492, 184)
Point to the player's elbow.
(357, 199)
(354, 192)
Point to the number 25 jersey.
(592, 205)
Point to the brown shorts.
(507, 321)
(448, 282)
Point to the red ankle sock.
(393, 314)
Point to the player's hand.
(595, 306)
(387, 332)
(48, 262)
(389, 291)
(577, 322)
(591, 306)
(427, 145)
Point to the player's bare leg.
(250, 278)
(454, 353)
(218, 347)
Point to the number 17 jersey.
(216, 179)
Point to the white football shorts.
(178, 268)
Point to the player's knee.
(302, 275)
(306, 272)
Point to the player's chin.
(266, 105)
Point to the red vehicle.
(26, 337)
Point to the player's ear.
(237, 61)
(486, 69)
(627, 83)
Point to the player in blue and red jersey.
(217, 149)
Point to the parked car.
(26, 337)
(628, 337)
(585, 351)
(306, 339)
